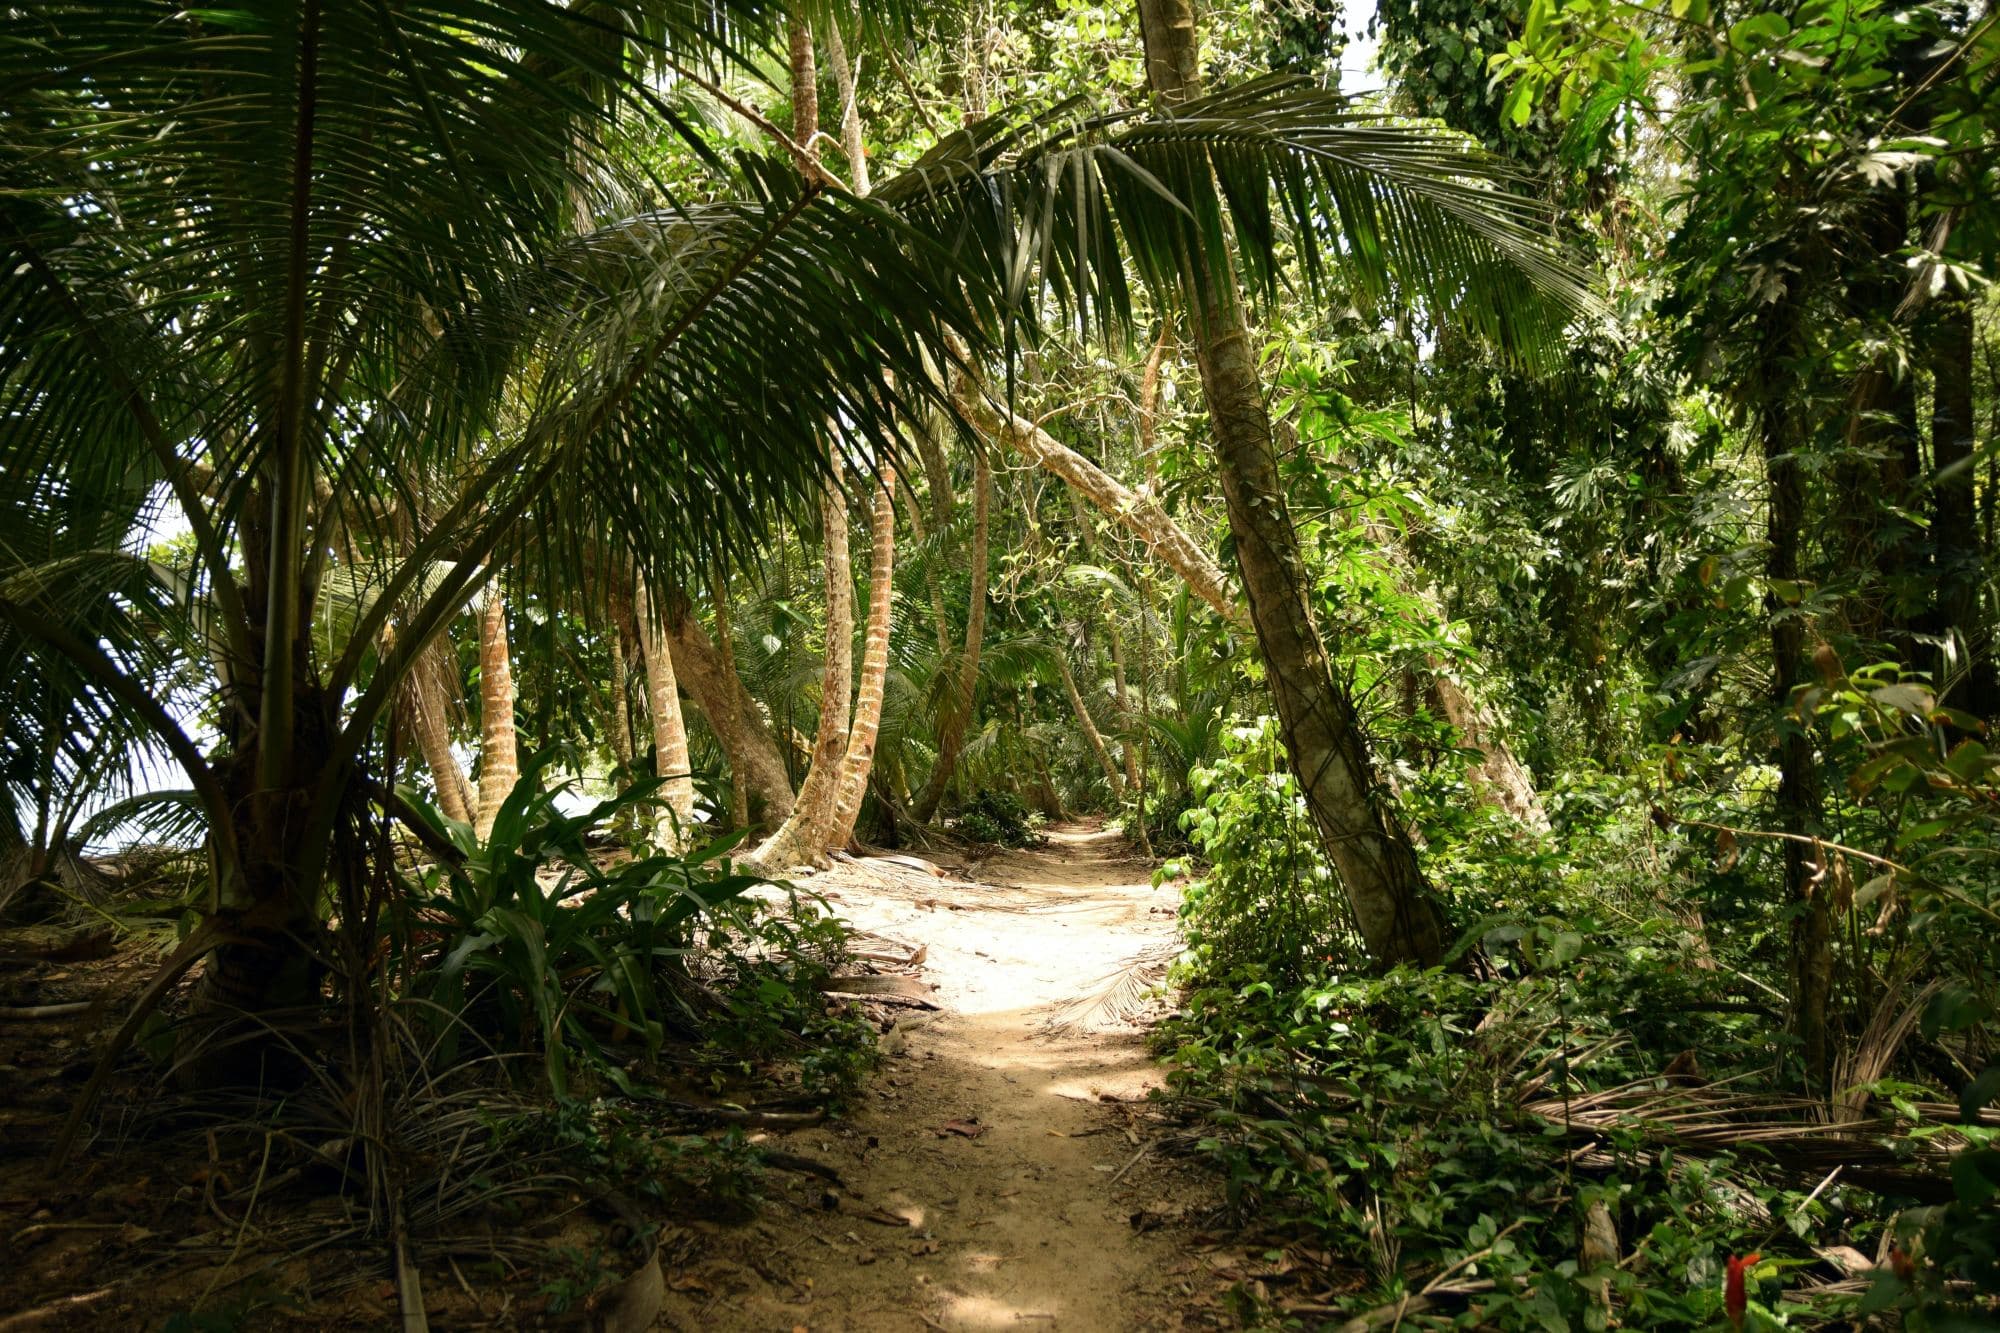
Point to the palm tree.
(308, 270)
(304, 258)
(1398, 915)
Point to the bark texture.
(1140, 515)
(432, 681)
(859, 761)
(1398, 916)
(663, 700)
(499, 753)
(1088, 725)
(1798, 801)
(1972, 682)
(725, 648)
(738, 723)
(797, 841)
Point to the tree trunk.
(725, 647)
(1139, 515)
(1149, 408)
(499, 755)
(739, 725)
(670, 743)
(1973, 685)
(1399, 918)
(797, 840)
(958, 714)
(850, 111)
(860, 759)
(1798, 798)
(429, 702)
(1496, 773)
(618, 729)
(1088, 726)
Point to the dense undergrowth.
(573, 1037)
(1594, 1107)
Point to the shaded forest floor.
(1001, 1168)
(999, 1171)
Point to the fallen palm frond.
(1791, 1133)
(1119, 997)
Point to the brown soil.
(1001, 1173)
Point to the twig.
(63, 1308)
(805, 1166)
(1133, 1161)
(242, 1230)
(26, 1012)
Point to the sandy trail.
(1028, 1222)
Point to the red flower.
(1734, 1300)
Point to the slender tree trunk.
(1086, 724)
(940, 621)
(725, 647)
(739, 726)
(797, 839)
(805, 87)
(499, 755)
(1139, 515)
(859, 761)
(850, 111)
(1954, 517)
(1121, 694)
(958, 713)
(1798, 798)
(670, 742)
(430, 710)
(1399, 917)
(1149, 407)
(618, 729)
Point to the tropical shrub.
(1265, 905)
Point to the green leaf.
(1979, 1093)
(1975, 1175)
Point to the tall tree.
(499, 743)
(663, 700)
(1398, 914)
(859, 760)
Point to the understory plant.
(538, 940)
(1585, 1115)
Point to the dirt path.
(994, 1176)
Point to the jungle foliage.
(493, 493)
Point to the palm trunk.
(430, 717)
(1086, 724)
(797, 840)
(725, 646)
(670, 743)
(499, 754)
(958, 714)
(860, 759)
(1399, 918)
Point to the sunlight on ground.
(976, 1312)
